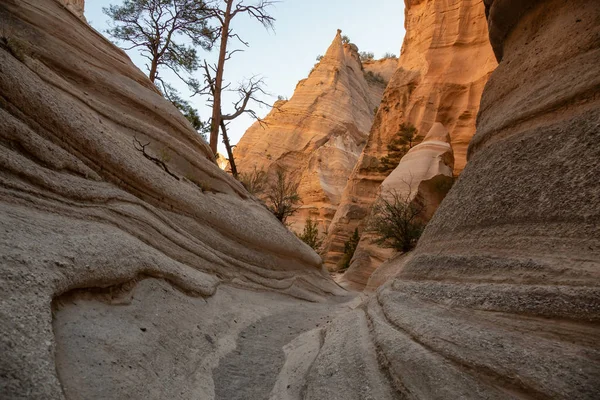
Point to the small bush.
(319, 57)
(254, 181)
(282, 196)
(372, 77)
(387, 56)
(310, 235)
(396, 220)
(349, 248)
(345, 39)
(366, 56)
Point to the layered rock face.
(445, 62)
(424, 175)
(318, 135)
(75, 6)
(501, 298)
(120, 235)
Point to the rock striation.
(123, 276)
(77, 7)
(111, 205)
(445, 61)
(319, 133)
(424, 175)
(501, 298)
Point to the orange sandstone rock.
(446, 60)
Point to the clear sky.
(303, 30)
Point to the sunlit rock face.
(446, 60)
(95, 229)
(423, 176)
(501, 298)
(318, 135)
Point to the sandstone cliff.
(445, 62)
(319, 133)
(75, 6)
(502, 296)
(110, 203)
(122, 279)
(424, 176)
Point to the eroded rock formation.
(317, 135)
(502, 296)
(424, 176)
(445, 62)
(77, 7)
(110, 203)
(120, 279)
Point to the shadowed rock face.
(424, 175)
(501, 298)
(318, 135)
(86, 216)
(446, 60)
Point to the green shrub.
(349, 249)
(406, 138)
(310, 235)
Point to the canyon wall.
(77, 7)
(419, 182)
(445, 62)
(501, 298)
(318, 135)
(110, 202)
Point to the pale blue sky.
(303, 30)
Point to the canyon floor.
(267, 348)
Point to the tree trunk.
(153, 69)
(216, 112)
(234, 171)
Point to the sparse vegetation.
(310, 235)
(349, 249)
(372, 77)
(406, 138)
(282, 196)
(167, 34)
(189, 112)
(319, 57)
(366, 56)
(345, 39)
(254, 181)
(396, 220)
(387, 56)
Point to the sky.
(303, 30)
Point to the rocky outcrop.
(75, 6)
(501, 298)
(445, 62)
(120, 235)
(317, 135)
(424, 175)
